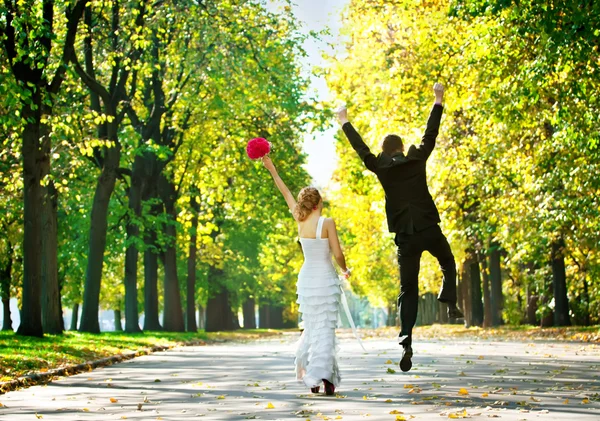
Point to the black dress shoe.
(454, 312)
(329, 387)
(315, 389)
(405, 362)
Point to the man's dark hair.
(391, 143)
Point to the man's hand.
(438, 90)
(342, 115)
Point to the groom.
(411, 215)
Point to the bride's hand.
(268, 163)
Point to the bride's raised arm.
(287, 195)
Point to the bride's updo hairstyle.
(308, 200)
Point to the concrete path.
(235, 381)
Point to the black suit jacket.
(408, 203)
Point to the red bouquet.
(258, 147)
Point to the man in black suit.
(411, 215)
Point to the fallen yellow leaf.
(408, 386)
(566, 401)
(113, 400)
(480, 357)
(390, 401)
(395, 411)
(221, 397)
(400, 418)
(38, 416)
(270, 406)
(389, 362)
(456, 415)
(463, 391)
(484, 395)
(85, 410)
(585, 401)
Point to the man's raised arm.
(433, 123)
(356, 141)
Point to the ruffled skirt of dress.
(316, 354)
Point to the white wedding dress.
(319, 297)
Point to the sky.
(317, 15)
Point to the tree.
(28, 35)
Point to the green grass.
(20, 355)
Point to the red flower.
(258, 147)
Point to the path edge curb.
(38, 378)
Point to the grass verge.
(22, 355)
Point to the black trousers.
(410, 248)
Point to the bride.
(317, 288)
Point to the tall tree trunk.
(248, 309)
(532, 306)
(559, 282)
(496, 285)
(5, 277)
(219, 315)
(586, 297)
(476, 295)
(132, 253)
(487, 297)
(264, 316)
(74, 317)
(465, 285)
(191, 267)
(118, 325)
(97, 239)
(173, 314)
(51, 307)
(151, 316)
(31, 302)
(201, 316)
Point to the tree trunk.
(97, 239)
(219, 316)
(31, 302)
(74, 317)
(5, 277)
(559, 283)
(132, 253)
(496, 285)
(51, 308)
(465, 285)
(276, 316)
(248, 309)
(201, 316)
(532, 306)
(151, 316)
(476, 303)
(487, 298)
(264, 316)
(191, 267)
(392, 315)
(173, 314)
(118, 325)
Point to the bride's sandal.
(315, 389)
(329, 388)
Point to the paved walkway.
(463, 379)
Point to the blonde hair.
(308, 199)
